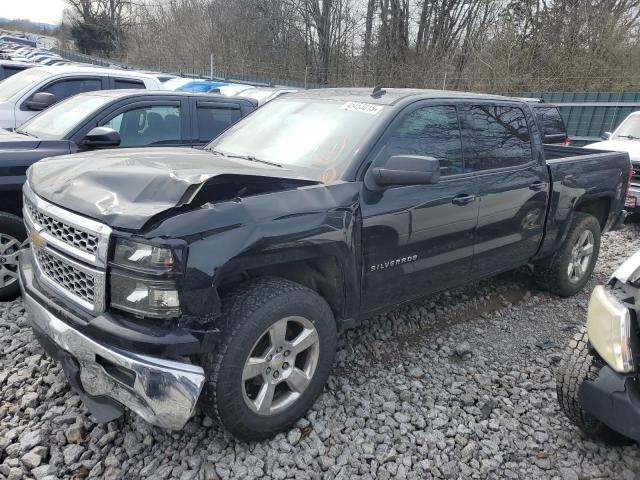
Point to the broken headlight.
(609, 329)
(149, 290)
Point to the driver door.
(418, 239)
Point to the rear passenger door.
(211, 118)
(157, 123)
(512, 184)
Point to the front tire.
(578, 365)
(572, 265)
(12, 234)
(276, 351)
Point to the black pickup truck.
(99, 120)
(164, 277)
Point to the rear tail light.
(628, 181)
(567, 141)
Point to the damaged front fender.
(306, 234)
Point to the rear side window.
(550, 121)
(72, 86)
(499, 137)
(212, 121)
(431, 131)
(126, 84)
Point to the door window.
(122, 83)
(213, 121)
(72, 86)
(148, 125)
(499, 137)
(430, 131)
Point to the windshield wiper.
(630, 137)
(251, 158)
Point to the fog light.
(143, 297)
(609, 329)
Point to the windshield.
(629, 129)
(319, 137)
(57, 121)
(15, 83)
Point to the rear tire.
(572, 265)
(276, 351)
(12, 234)
(578, 365)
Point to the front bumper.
(614, 399)
(163, 392)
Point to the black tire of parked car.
(11, 226)
(247, 311)
(554, 276)
(578, 365)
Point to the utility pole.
(211, 66)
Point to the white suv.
(25, 94)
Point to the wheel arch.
(598, 206)
(331, 275)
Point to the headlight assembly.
(142, 279)
(142, 256)
(609, 329)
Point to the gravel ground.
(458, 386)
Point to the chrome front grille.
(69, 251)
(79, 283)
(66, 233)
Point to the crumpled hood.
(632, 147)
(124, 188)
(17, 141)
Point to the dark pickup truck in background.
(99, 120)
(164, 277)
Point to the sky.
(46, 11)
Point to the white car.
(25, 94)
(626, 138)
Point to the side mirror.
(606, 136)
(101, 137)
(404, 170)
(41, 100)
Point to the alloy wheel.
(9, 252)
(581, 254)
(280, 365)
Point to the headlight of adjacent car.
(140, 292)
(609, 329)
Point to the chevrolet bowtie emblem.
(36, 239)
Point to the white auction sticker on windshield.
(362, 107)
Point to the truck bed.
(555, 153)
(589, 180)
